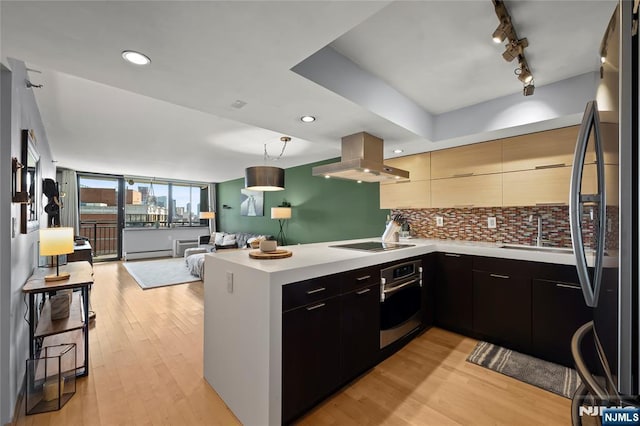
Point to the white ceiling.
(174, 118)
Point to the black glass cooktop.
(373, 246)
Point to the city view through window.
(147, 203)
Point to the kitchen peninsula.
(243, 304)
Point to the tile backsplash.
(512, 224)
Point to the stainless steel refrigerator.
(604, 227)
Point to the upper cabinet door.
(553, 148)
(477, 159)
(418, 166)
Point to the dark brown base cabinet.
(558, 311)
(330, 335)
(502, 309)
(359, 331)
(454, 292)
(310, 355)
(331, 324)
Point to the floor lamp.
(209, 216)
(282, 214)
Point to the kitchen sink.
(542, 249)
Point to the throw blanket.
(195, 264)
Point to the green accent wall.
(321, 209)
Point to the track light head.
(515, 49)
(525, 75)
(528, 89)
(502, 32)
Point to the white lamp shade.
(280, 212)
(207, 215)
(55, 241)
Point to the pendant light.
(266, 178)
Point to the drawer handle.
(452, 254)
(551, 204)
(366, 277)
(319, 305)
(504, 277)
(366, 290)
(568, 286)
(317, 290)
(550, 166)
(463, 175)
(462, 206)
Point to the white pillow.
(216, 238)
(228, 240)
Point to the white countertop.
(317, 259)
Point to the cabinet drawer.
(360, 278)
(309, 291)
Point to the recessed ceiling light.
(308, 118)
(327, 176)
(366, 170)
(135, 57)
(398, 151)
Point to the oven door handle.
(399, 287)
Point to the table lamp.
(282, 214)
(54, 242)
(209, 216)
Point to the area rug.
(160, 273)
(552, 377)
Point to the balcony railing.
(103, 236)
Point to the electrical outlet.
(230, 282)
(491, 222)
(439, 221)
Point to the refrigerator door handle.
(581, 367)
(590, 289)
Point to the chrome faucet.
(539, 236)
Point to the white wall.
(5, 238)
(22, 257)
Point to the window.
(161, 204)
(186, 204)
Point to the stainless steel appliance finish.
(373, 246)
(362, 159)
(611, 287)
(400, 301)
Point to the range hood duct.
(362, 157)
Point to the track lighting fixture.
(514, 48)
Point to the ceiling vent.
(362, 157)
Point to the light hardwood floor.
(146, 368)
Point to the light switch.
(230, 282)
(491, 222)
(439, 221)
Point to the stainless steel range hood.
(362, 157)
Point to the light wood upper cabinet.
(418, 166)
(476, 159)
(551, 186)
(406, 195)
(540, 150)
(535, 187)
(471, 191)
(414, 193)
(590, 182)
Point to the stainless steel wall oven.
(400, 300)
